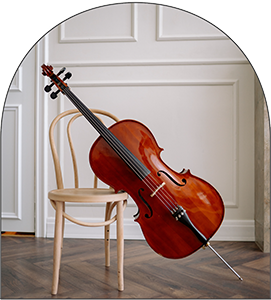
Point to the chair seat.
(86, 195)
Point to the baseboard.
(236, 230)
(230, 230)
(132, 230)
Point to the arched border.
(199, 10)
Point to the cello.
(178, 212)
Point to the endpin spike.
(208, 244)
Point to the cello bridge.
(159, 187)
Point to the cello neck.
(130, 159)
(134, 164)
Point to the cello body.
(164, 234)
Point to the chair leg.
(107, 236)
(63, 225)
(120, 245)
(57, 246)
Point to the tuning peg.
(61, 71)
(68, 75)
(48, 87)
(54, 94)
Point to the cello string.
(84, 110)
(118, 147)
(162, 200)
(128, 157)
(103, 130)
(171, 201)
(137, 167)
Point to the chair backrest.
(76, 113)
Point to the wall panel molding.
(102, 39)
(16, 110)
(16, 84)
(230, 82)
(160, 36)
(41, 141)
(195, 62)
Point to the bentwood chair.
(62, 195)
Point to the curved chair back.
(59, 177)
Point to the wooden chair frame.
(91, 195)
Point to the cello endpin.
(208, 244)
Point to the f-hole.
(174, 181)
(146, 203)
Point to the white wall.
(17, 151)
(178, 75)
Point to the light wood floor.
(27, 271)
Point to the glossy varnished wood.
(27, 270)
(164, 234)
